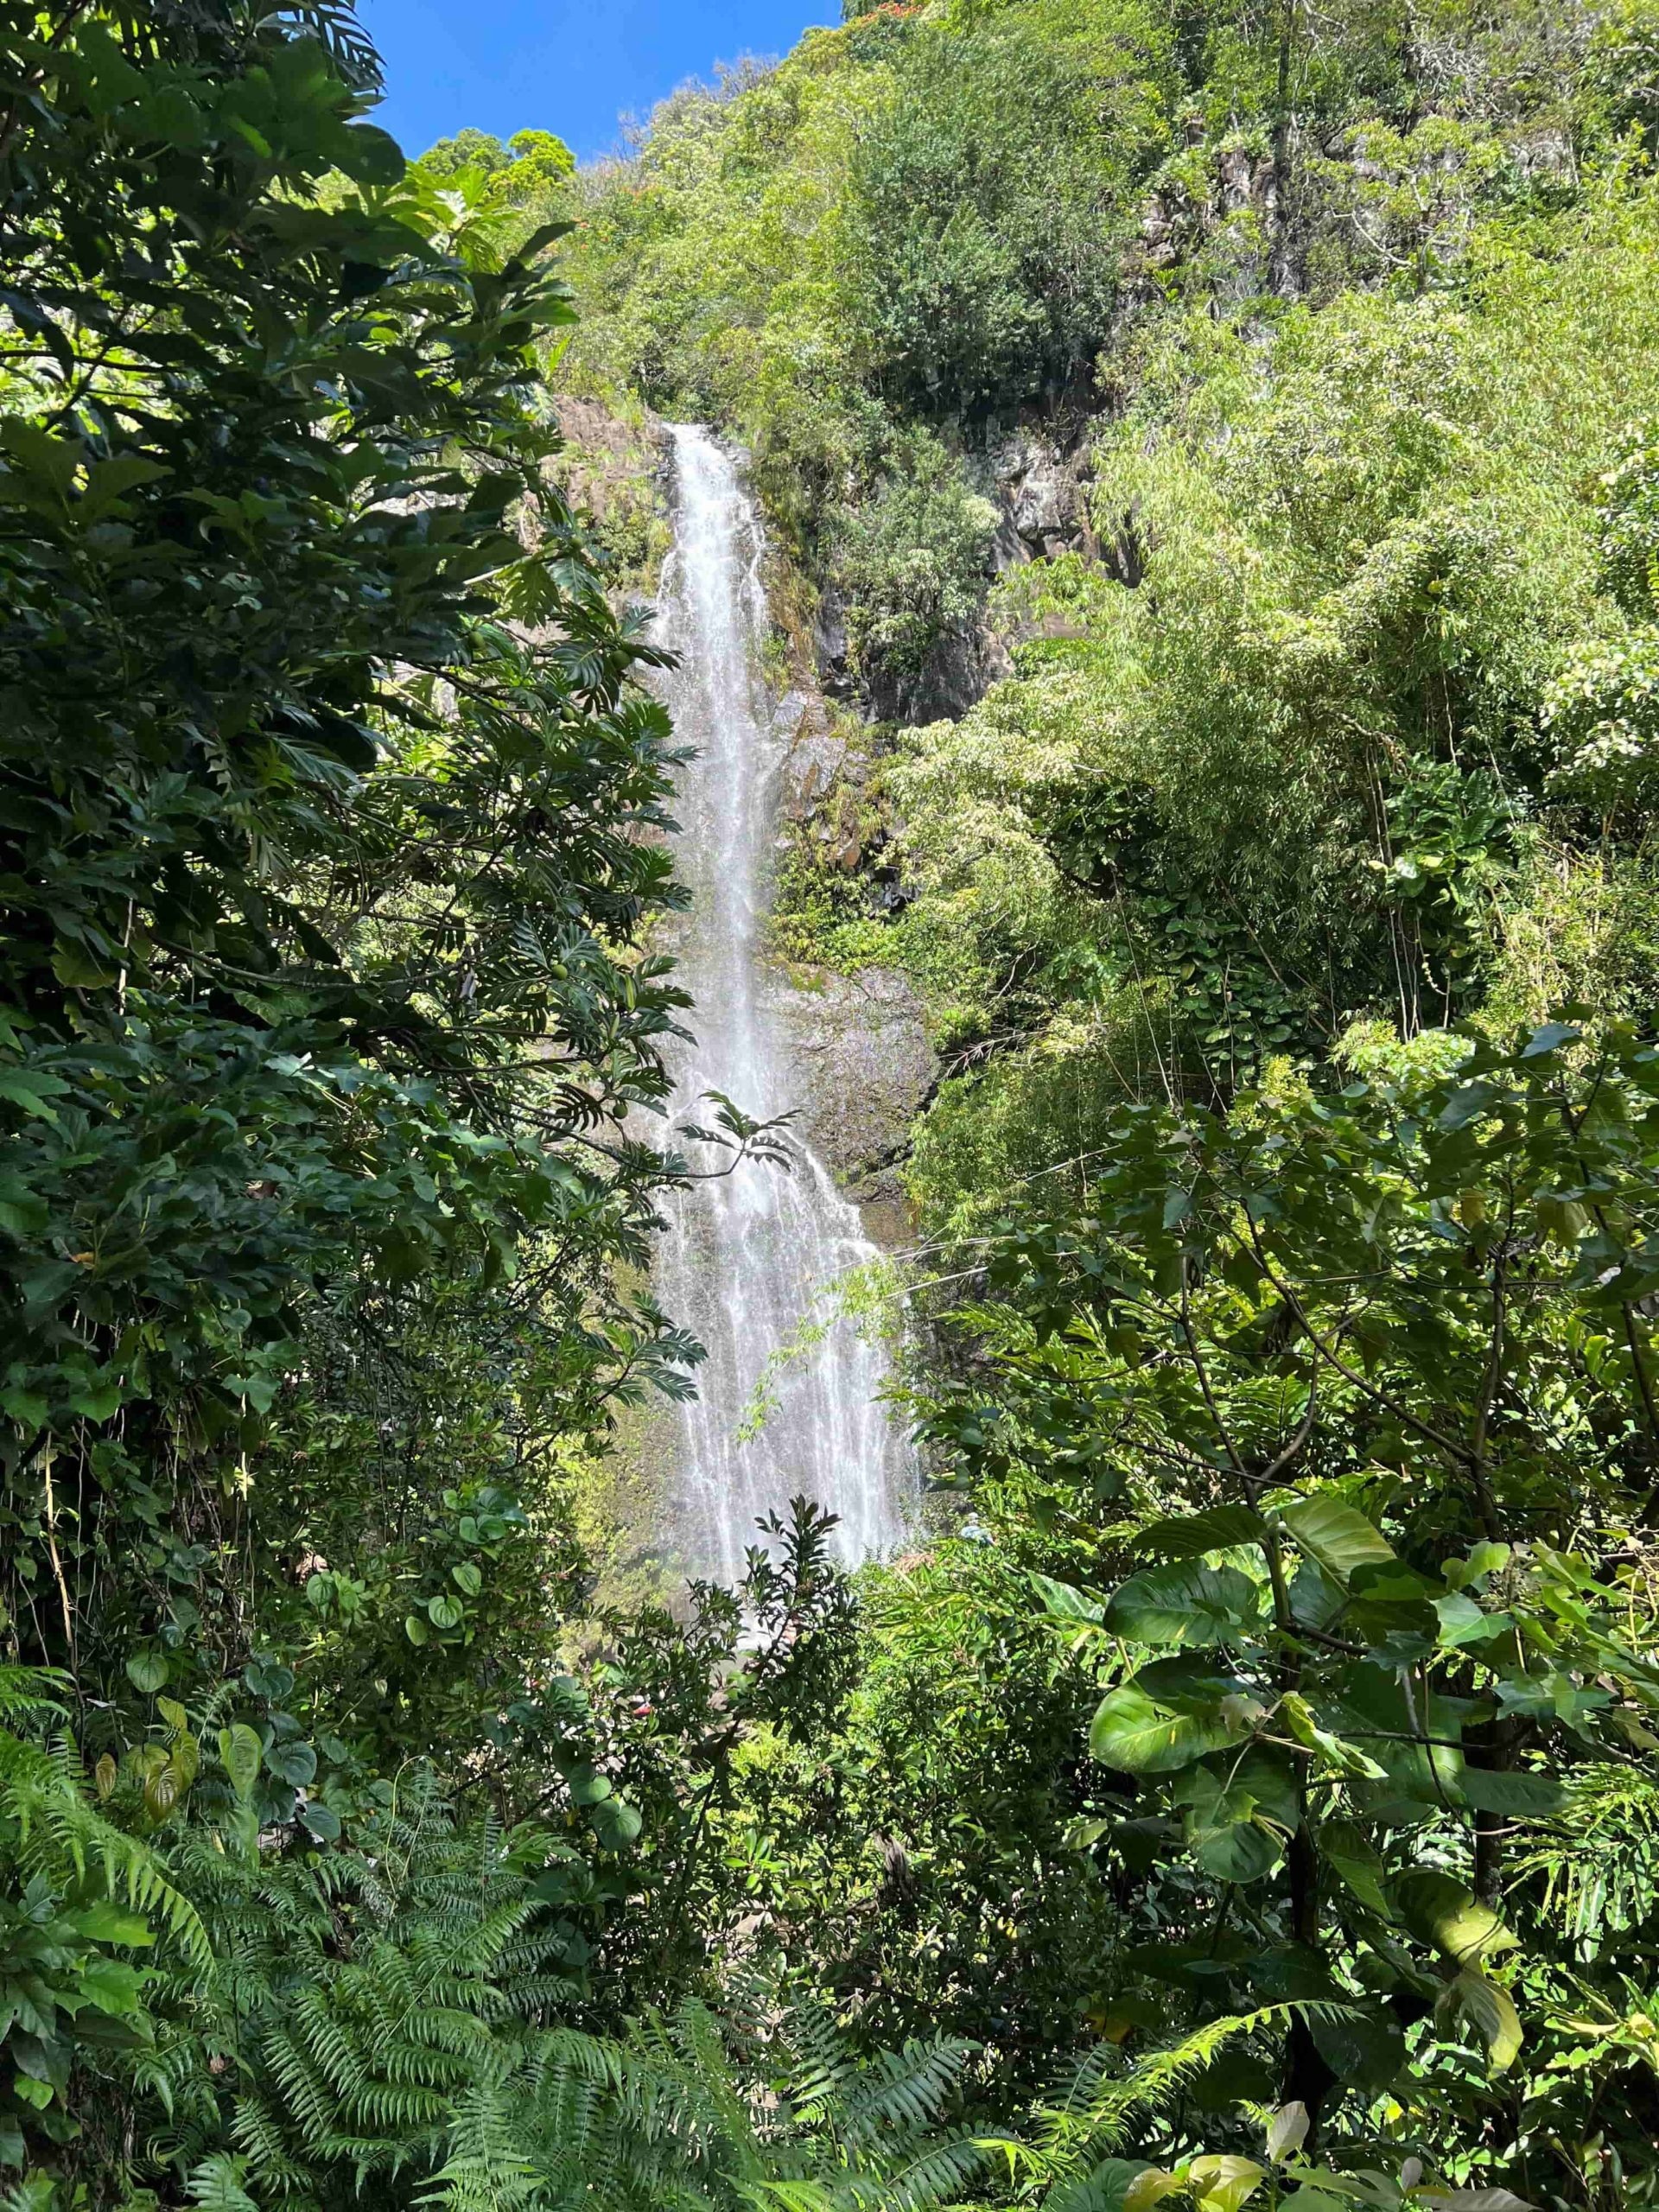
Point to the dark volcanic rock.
(867, 1069)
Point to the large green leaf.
(616, 1824)
(1103, 2189)
(240, 1754)
(105, 1922)
(1443, 1912)
(1222, 1832)
(1346, 1848)
(1491, 2012)
(1186, 1604)
(1131, 1731)
(293, 1762)
(1062, 1601)
(1190, 1536)
(32, 1088)
(1517, 1797)
(1334, 1534)
(1221, 2182)
(147, 1670)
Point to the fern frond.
(1094, 2113)
(906, 2089)
(216, 2185)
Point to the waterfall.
(749, 1261)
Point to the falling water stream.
(750, 1260)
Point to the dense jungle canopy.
(1210, 453)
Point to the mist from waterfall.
(749, 1261)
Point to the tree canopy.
(1211, 459)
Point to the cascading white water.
(750, 1260)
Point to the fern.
(790, 2121)
(1091, 2115)
(1600, 1863)
(31, 1693)
(216, 2185)
(335, 23)
(60, 1833)
(384, 2025)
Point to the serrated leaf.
(106, 1923)
(112, 1986)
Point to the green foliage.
(318, 972)
(531, 163)
(1372, 1369)
(84, 1895)
(1622, 76)
(990, 196)
(915, 216)
(1251, 1774)
(908, 565)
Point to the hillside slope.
(1214, 447)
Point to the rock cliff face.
(1039, 481)
(612, 468)
(867, 1070)
(859, 1040)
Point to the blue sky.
(570, 65)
